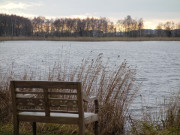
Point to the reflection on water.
(157, 62)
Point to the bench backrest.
(47, 96)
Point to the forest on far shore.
(13, 25)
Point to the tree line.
(12, 25)
(72, 27)
(168, 29)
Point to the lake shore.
(91, 39)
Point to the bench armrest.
(89, 99)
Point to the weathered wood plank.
(15, 116)
(63, 104)
(46, 102)
(46, 84)
(52, 111)
(81, 110)
(25, 98)
(61, 99)
(28, 92)
(49, 119)
(30, 110)
(29, 102)
(34, 128)
(62, 93)
(51, 93)
(25, 95)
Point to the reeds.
(172, 119)
(91, 38)
(166, 121)
(112, 82)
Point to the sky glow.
(153, 12)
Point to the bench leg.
(96, 129)
(81, 129)
(16, 127)
(34, 128)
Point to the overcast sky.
(152, 11)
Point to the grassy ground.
(42, 129)
(93, 38)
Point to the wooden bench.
(51, 102)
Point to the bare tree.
(159, 30)
(169, 26)
(131, 27)
(140, 26)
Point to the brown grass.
(172, 116)
(166, 121)
(114, 85)
(93, 38)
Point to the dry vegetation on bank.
(115, 88)
(165, 121)
(92, 38)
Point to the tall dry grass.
(165, 121)
(112, 82)
(172, 114)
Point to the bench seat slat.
(86, 114)
(55, 117)
(52, 111)
(48, 119)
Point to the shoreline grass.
(165, 121)
(115, 88)
(90, 39)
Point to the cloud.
(10, 6)
(19, 5)
(18, 8)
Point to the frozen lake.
(157, 62)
